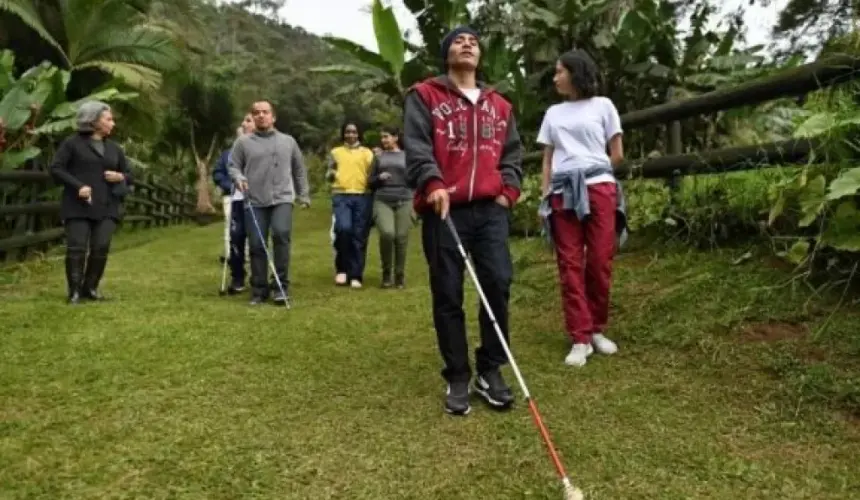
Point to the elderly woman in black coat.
(95, 176)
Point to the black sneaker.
(400, 281)
(236, 286)
(492, 387)
(457, 398)
(257, 300)
(281, 299)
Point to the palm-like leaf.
(357, 51)
(388, 37)
(103, 35)
(26, 11)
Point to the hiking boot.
(457, 398)
(492, 387)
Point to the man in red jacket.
(464, 160)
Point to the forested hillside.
(180, 74)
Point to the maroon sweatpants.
(585, 277)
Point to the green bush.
(316, 167)
(524, 218)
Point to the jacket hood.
(442, 82)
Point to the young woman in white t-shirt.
(576, 135)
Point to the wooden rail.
(788, 83)
(29, 212)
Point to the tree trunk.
(204, 196)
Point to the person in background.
(582, 203)
(464, 153)
(235, 234)
(267, 166)
(96, 178)
(348, 171)
(392, 207)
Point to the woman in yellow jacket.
(349, 167)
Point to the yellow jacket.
(349, 168)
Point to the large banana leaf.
(360, 53)
(389, 39)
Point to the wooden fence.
(794, 82)
(29, 210)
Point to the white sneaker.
(340, 279)
(355, 284)
(578, 354)
(603, 345)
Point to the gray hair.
(89, 113)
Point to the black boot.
(386, 279)
(95, 270)
(74, 276)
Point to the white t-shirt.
(579, 131)
(472, 94)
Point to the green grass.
(169, 391)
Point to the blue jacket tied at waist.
(574, 192)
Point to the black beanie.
(449, 39)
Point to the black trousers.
(279, 220)
(483, 227)
(87, 248)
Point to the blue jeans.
(352, 214)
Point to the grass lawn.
(725, 385)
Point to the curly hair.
(357, 129)
(584, 73)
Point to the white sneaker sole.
(588, 352)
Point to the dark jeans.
(238, 237)
(279, 220)
(352, 214)
(85, 236)
(483, 227)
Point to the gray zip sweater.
(394, 189)
(272, 165)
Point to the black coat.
(77, 163)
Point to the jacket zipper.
(474, 148)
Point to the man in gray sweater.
(267, 166)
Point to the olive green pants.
(393, 221)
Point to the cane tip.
(573, 493)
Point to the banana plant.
(34, 107)
(115, 37)
(387, 71)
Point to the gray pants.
(279, 220)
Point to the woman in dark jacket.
(95, 175)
